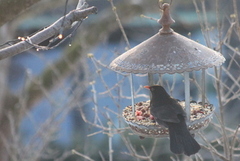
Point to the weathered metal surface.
(167, 53)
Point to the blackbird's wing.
(164, 114)
(167, 112)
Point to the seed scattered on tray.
(144, 117)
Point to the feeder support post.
(203, 81)
(150, 79)
(187, 95)
(150, 82)
(132, 93)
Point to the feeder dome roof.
(167, 52)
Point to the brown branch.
(9, 9)
(53, 30)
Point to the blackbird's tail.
(181, 141)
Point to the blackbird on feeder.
(169, 113)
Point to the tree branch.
(9, 9)
(60, 25)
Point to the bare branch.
(82, 155)
(9, 9)
(51, 31)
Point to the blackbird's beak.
(148, 87)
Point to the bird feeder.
(167, 52)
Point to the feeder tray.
(144, 125)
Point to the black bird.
(169, 113)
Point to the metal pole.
(132, 93)
(160, 81)
(203, 81)
(150, 79)
(150, 82)
(187, 95)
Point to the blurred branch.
(210, 148)
(36, 89)
(9, 9)
(62, 24)
(233, 142)
(52, 75)
(82, 155)
(114, 9)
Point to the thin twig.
(82, 155)
(236, 12)
(233, 143)
(222, 123)
(101, 155)
(144, 16)
(211, 148)
(119, 23)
